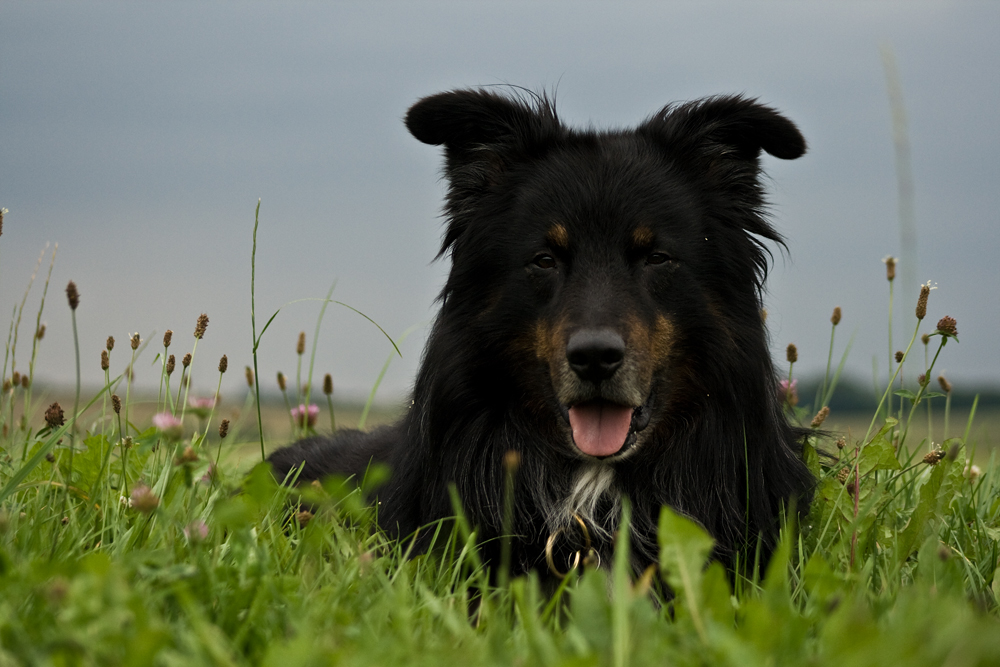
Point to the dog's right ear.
(485, 134)
(466, 120)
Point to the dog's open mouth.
(601, 428)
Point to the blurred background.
(139, 137)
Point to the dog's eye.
(545, 261)
(657, 258)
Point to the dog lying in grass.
(600, 337)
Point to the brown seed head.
(50, 457)
(135, 341)
(841, 443)
(187, 456)
(2, 211)
(110, 344)
(171, 363)
(835, 318)
(792, 353)
(186, 361)
(300, 347)
(925, 291)
(116, 403)
(105, 361)
(40, 334)
(223, 364)
(843, 474)
(6, 387)
(890, 268)
(945, 385)
(281, 381)
(821, 416)
(72, 295)
(168, 335)
(921, 379)
(511, 461)
(54, 416)
(932, 458)
(25, 382)
(328, 384)
(925, 339)
(15, 378)
(249, 375)
(199, 329)
(899, 356)
(948, 326)
(304, 517)
(224, 428)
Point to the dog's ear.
(738, 125)
(468, 120)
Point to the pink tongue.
(599, 427)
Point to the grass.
(141, 545)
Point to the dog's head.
(619, 272)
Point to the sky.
(140, 136)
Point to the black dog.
(602, 320)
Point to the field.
(148, 541)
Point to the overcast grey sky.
(139, 137)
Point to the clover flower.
(788, 392)
(305, 416)
(170, 426)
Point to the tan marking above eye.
(558, 236)
(642, 237)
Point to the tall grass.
(145, 547)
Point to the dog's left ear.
(733, 123)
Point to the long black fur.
(718, 447)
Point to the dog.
(600, 337)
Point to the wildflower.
(947, 326)
(303, 517)
(792, 353)
(788, 392)
(15, 378)
(224, 429)
(835, 318)
(843, 474)
(105, 361)
(168, 425)
(933, 457)
(841, 443)
(922, 380)
(223, 364)
(186, 361)
(925, 291)
(167, 337)
(196, 531)
(972, 473)
(301, 414)
(54, 416)
(110, 344)
(945, 385)
(187, 456)
(249, 375)
(135, 340)
(890, 267)
(6, 387)
(199, 330)
(40, 334)
(209, 474)
(72, 295)
(50, 457)
(143, 499)
(171, 362)
(281, 381)
(328, 384)
(899, 356)
(116, 403)
(25, 382)
(204, 402)
(925, 339)
(820, 417)
(300, 347)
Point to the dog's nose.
(595, 354)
